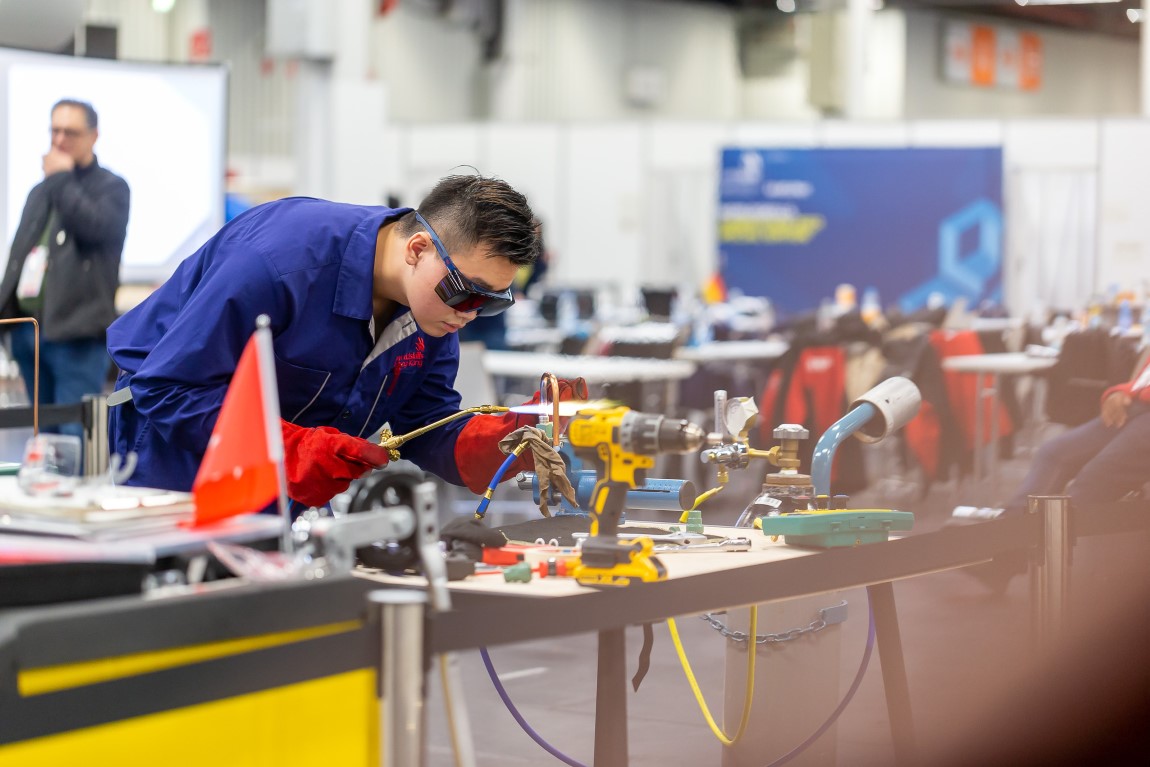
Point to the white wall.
(1082, 74)
(634, 202)
(1050, 179)
(610, 59)
(143, 34)
(882, 39)
(785, 92)
(1124, 241)
(430, 68)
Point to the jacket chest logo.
(412, 359)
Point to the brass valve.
(785, 455)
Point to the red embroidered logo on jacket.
(410, 360)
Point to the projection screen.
(163, 128)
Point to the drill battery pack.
(828, 529)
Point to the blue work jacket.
(308, 265)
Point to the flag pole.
(270, 391)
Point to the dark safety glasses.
(460, 293)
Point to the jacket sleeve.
(180, 385)
(1142, 395)
(97, 213)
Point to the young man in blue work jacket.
(364, 302)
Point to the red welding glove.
(322, 461)
(477, 452)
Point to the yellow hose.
(752, 651)
(698, 502)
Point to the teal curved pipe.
(824, 455)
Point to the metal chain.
(828, 616)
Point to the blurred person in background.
(64, 264)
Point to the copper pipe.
(549, 394)
(35, 367)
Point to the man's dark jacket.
(85, 245)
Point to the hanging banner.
(991, 56)
(916, 225)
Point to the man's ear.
(414, 247)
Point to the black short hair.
(475, 210)
(89, 113)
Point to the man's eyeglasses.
(460, 293)
(71, 133)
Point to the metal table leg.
(611, 700)
(992, 452)
(978, 410)
(893, 671)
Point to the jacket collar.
(87, 169)
(357, 267)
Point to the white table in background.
(597, 370)
(641, 333)
(739, 357)
(543, 338)
(594, 369)
(992, 366)
(733, 351)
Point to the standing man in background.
(64, 265)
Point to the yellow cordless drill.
(621, 444)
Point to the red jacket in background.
(962, 388)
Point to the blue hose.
(863, 665)
(483, 504)
(519, 717)
(845, 701)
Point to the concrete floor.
(966, 648)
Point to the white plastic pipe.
(896, 399)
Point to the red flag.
(241, 469)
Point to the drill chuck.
(652, 434)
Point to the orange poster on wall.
(982, 55)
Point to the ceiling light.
(163, 6)
(786, 6)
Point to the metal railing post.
(95, 435)
(1050, 570)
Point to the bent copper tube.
(549, 394)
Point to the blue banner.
(909, 223)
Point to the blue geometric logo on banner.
(794, 223)
(969, 274)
